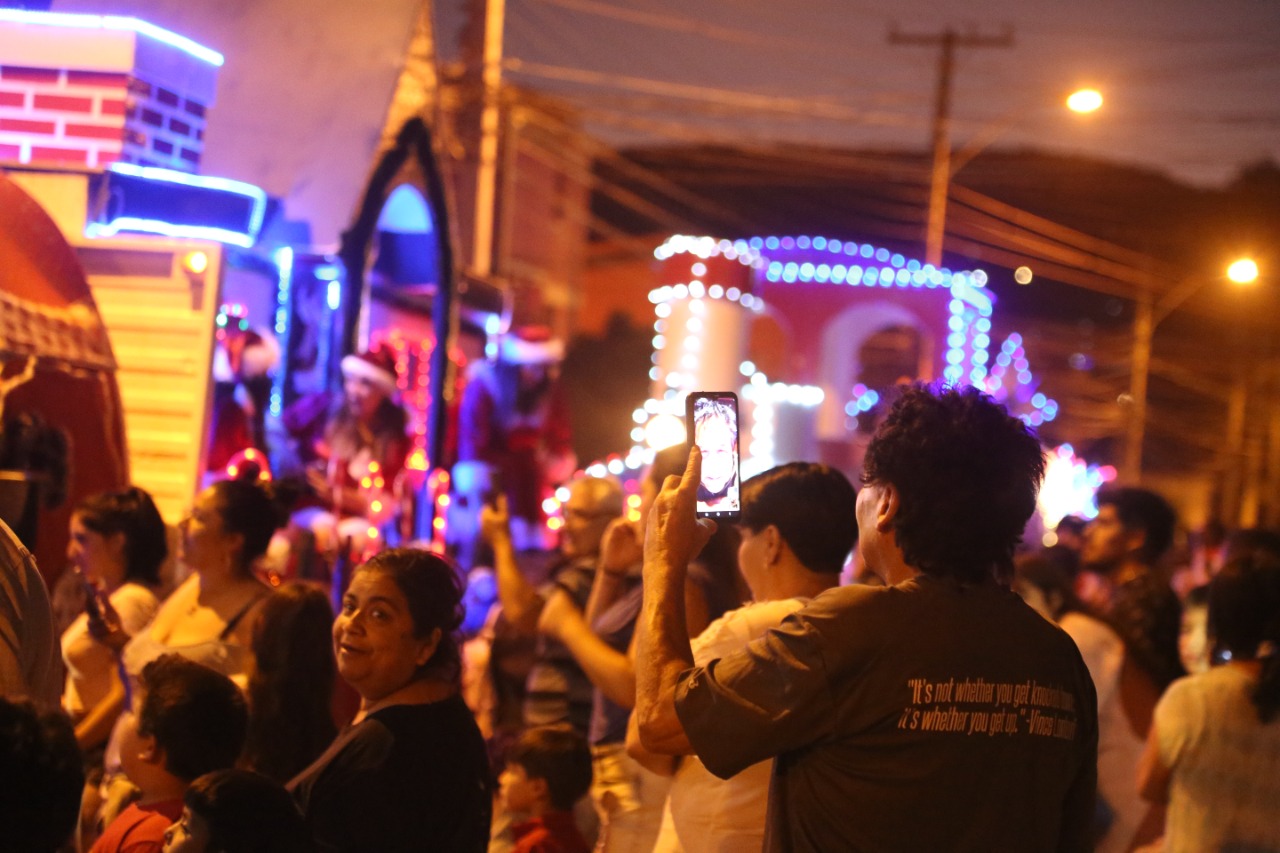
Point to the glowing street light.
(1149, 313)
(1243, 271)
(1084, 101)
(946, 163)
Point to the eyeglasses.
(587, 514)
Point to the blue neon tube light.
(114, 22)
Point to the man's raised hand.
(675, 535)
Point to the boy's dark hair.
(247, 813)
(558, 755)
(812, 505)
(41, 777)
(1142, 509)
(967, 474)
(197, 716)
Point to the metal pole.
(1143, 329)
(940, 180)
(487, 167)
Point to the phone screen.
(712, 423)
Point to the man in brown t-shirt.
(936, 713)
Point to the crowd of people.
(663, 684)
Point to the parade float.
(102, 124)
(813, 334)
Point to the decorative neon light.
(1070, 486)
(155, 173)
(167, 229)
(1012, 383)
(114, 22)
(283, 258)
(709, 247)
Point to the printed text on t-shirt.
(974, 706)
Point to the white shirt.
(1119, 746)
(707, 814)
(90, 664)
(1224, 792)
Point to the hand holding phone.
(104, 622)
(712, 423)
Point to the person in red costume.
(513, 434)
(359, 457)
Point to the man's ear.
(538, 786)
(1135, 539)
(150, 751)
(887, 505)
(773, 545)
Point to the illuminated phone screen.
(713, 426)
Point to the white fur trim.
(354, 365)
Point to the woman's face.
(373, 637)
(189, 835)
(363, 397)
(205, 542)
(100, 558)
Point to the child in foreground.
(236, 811)
(191, 721)
(548, 770)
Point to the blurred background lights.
(664, 431)
(1022, 275)
(195, 262)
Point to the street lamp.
(946, 163)
(1149, 312)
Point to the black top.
(407, 777)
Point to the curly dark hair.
(133, 513)
(967, 474)
(433, 588)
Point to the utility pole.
(487, 167)
(948, 40)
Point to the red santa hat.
(376, 366)
(530, 345)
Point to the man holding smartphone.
(941, 690)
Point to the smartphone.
(91, 600)
(711, 419)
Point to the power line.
(690, 92)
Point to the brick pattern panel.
(167, 128)
(61, 117)
(88, 118)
